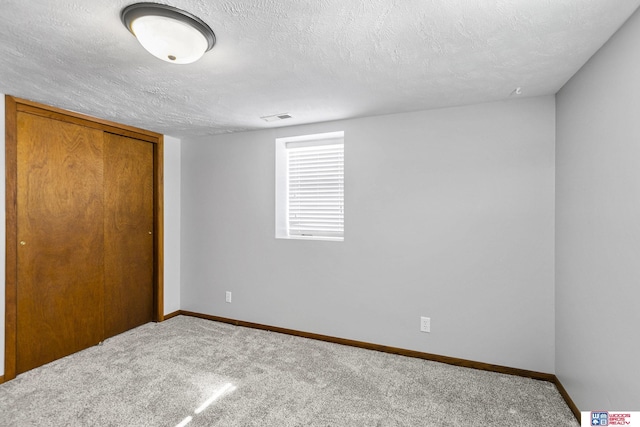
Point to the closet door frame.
(12, 107)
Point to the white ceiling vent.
(276, 117)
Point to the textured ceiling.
(318, 60)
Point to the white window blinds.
(315, 189)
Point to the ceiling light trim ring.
(137, 10)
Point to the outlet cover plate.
(425, 324)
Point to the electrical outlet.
(425, 324)
(228, 297)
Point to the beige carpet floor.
(194, 372)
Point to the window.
(310, 187)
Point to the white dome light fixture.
(168, 33)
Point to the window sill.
(331, 239)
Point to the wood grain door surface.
(85, 257)
(60, 268)
(128, 230)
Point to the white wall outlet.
(425, 324)
(228, 297)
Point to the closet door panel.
(60, 260)
(128, 228)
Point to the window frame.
(282, 181)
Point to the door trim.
(12, 107)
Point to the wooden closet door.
(128, 226)
(60, 264)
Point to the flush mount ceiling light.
(168, 33)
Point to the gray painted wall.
(598, 227)
(172, 227)
(171, 224)
(449, 214)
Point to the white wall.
(449, 214)
(598, 227)
(2, 232)
(171, 224)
